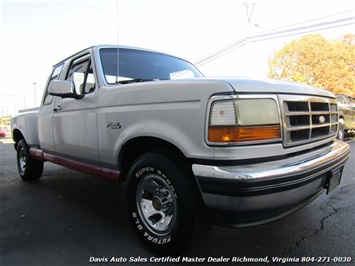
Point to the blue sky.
(37, 34)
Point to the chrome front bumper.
(256, 193)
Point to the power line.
(312, 20)
(303, 28)
(274, 34)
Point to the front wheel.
(341, 131)
(28, 168)
(162, 207)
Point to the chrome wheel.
(22, 161)
(162, 206)
(341, 132)
(156, 204)
(28, 168)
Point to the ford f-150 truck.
(193, 150)
(346, 105)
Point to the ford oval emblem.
(321, 119)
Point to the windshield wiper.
(136, 81)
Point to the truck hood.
(273, 86)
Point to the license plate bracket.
(334, 178)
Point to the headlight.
(243, 120)
(223, 113)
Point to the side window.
(90, 81)
(55, 75)
(81, 73)
(341, 99)
(352, 102)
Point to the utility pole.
(249, 7)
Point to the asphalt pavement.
(67, 218)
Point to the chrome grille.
(307, 119)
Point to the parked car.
(346, 105)
(2, 133)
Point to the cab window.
(55, 75)
(82, 75)
(352, 102)
(341, 99)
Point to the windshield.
(139, 66)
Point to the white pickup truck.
(193, 150)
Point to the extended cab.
(234, 151)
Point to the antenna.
(118, 45)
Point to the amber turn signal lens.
(240, 134)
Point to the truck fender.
(26, 127)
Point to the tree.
(318, 62)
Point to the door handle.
(58, 108)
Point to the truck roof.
(111, 46)
(343, 94)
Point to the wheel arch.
(17, 136)
(136, 147)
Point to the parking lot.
(68, 218)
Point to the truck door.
(74, 120)
(45, 116)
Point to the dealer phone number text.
(326, 259)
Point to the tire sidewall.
(22, 146)
(182, 232)
(34, 168)
(341, 132)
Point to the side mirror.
(63, 88)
